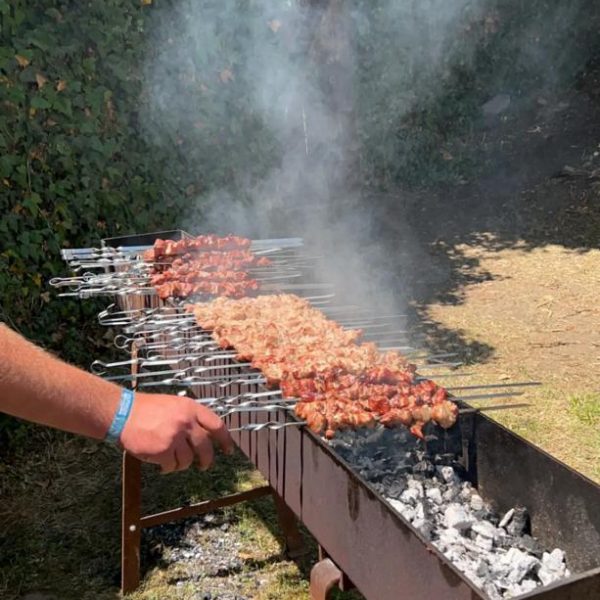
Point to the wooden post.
(131, 531)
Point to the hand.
(172, 431)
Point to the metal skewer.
(276, 425)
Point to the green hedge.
(72, 168)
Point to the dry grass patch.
(540, 313)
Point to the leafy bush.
(425, 68)
(72, 168)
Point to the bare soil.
(538, 310)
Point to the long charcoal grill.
(363, 540)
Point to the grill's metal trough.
(384, 556)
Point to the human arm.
(167, 430)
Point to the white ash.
(207, 553)
(494, 551)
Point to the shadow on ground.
(539, 186)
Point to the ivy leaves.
(72, 168)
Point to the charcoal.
(395, 489)
(492, 591)
(476, 502)
(546, 576)
(519, 522)
(499, 571)
(555, 560)
(485, 514)
(482, 570)
(471, 573)
(476, 550)
(520, 564)
(506, 541)
(374, 474)
(447, 474)
(529, 544)
(455, 553)
(506, 518)
(483, 542)
(382, 489)
(432, 493)
(451, 493)
(466, 491)
(421, 511)
(424, 527)
(424, 468)
(401, 470)
(341, 445)
(448, 538)
(416, 484)
(526, 586)
(407, 511)
(410, 496)
(485, 529)
(375, 436)
(457, 517)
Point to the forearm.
(38, 387)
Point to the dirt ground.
(539, 310)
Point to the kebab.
(227, 288)
(364, 400)
(171, 248)
(338, 382)
(206, 265)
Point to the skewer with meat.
(206, 265)
(172, 248)
(409, 404)
(231, 289)
(338, 381)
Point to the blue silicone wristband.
(121, 416)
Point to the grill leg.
(324, 576)
(130, 523)
(294, 543)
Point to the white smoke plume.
(296, 62)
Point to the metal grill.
(381, 553)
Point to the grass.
(586, 407)
(60, 526)
(537, 312)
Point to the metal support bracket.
(324, 576)
(294, 542)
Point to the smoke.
(262, 99)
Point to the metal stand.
(324, 576)
(133, 522)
